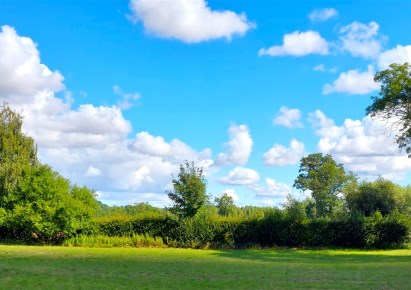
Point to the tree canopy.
(394, 102)
(324, 178)
(189, 190)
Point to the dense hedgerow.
(275, 229)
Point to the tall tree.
(394, 102)
(325, 179)
(225, 205)
(189, 190)
(17, 153)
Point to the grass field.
(29, 267)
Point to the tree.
(189, 191)
(371, 197)
(225, 205)
(325, 179)
(17, 153)
(394, 102)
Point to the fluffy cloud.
(320, 15)
(89, 144)
(279, 155)
(240, 176)
(238, 148)
(298, 44)
(187, 20)
(21, 72)
(363, 146)
(289, 118)
(271, 188)
(361, 39)
(353, 82)
(399, 54)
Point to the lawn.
(30, 267)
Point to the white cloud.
(190, 21)
(361, 39)
(289, 118)
(399, 54)
(89, 144)
(353, 82)
(271, 189)
(92, 171)
(238, 147)
(240, 176)
(21, 72)
(364, 147)
(320, 15)
(298, 44)
(279, 155)
(126, 98)
(231, 193)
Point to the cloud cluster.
(240, 176)
(190, 21)
(363, 146)
(298, 44)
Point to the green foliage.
(17, 153)
(325, 179)
(189, 193)
(370, 197)
(393, 102)
(101, 241)
(36, 203)
(225, 205)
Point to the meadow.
(36, 267)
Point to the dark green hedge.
(274, 230)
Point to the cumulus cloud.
(363, 146)
(238, 148)
(21, 72)
(289, 118)
(190, 21)
(90, 144)
(361, 40)
(271, 189)
(126, 98)
(353, 82)
(279, 155)
(320, 15)
(298, 44)
(240, 176)
(399, 54)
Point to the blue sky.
(117, 94)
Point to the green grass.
(32, 267)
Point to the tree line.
(38, 204)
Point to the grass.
(32, 267)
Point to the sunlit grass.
(24, 267)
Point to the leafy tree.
(17, 153)
(394, 102)
(371, 197)
(225, 205)
(189, 190)
(35, 201)
(325, 179)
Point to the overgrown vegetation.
(37, 204)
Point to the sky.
(117, 94)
